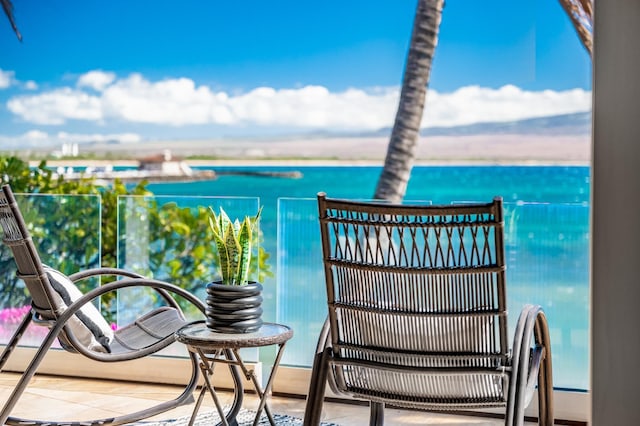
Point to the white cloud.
(97, 80)
(34, 136)
(315, 107)
(57, 106)
(175, 102)
(473, 104)
(97, 137)
(6, 78)
(39, 138)
(30, 85)
(180, 102)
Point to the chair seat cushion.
(87, 325)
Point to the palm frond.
(7, 6)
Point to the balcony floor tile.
(79, 399)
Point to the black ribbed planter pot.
(233, 308)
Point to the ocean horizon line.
(231, 162)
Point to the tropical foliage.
(78, 229)
(70, 214)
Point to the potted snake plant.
(234, 302)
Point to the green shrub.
(181, 246)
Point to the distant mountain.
(566, 124)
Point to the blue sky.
(199, 69)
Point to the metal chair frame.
(161, 323)
(417, 313)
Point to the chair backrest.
(30, 268)
(417, 303)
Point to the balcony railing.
(547, 251)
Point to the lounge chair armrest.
(117, 272)
(94, 272)
(137, 282)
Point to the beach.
(476, 149)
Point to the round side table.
(214, 347)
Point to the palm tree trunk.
(581, 14)
(392, 184)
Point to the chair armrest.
(117, 272)
(529, 364)
(88, 273)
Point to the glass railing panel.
(168, 238)
(66, 230)
(547, 255)
(547, 252)
(302, 300)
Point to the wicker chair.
(417, 313)
(78, 325)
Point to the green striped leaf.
(234, 241)
(244, 239)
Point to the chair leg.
(185, 397)
(376, 418)
(17, 335)
(317, 386)
(29, 372)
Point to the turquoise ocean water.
(437, 184)
(547, 236)
(440, 184)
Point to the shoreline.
(380, 163)
(317, 163)
(495, 149)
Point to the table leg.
(251, 375)
(267, 389)
(207, 365)
(197, 406)
(262, 394)
(238, 386)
